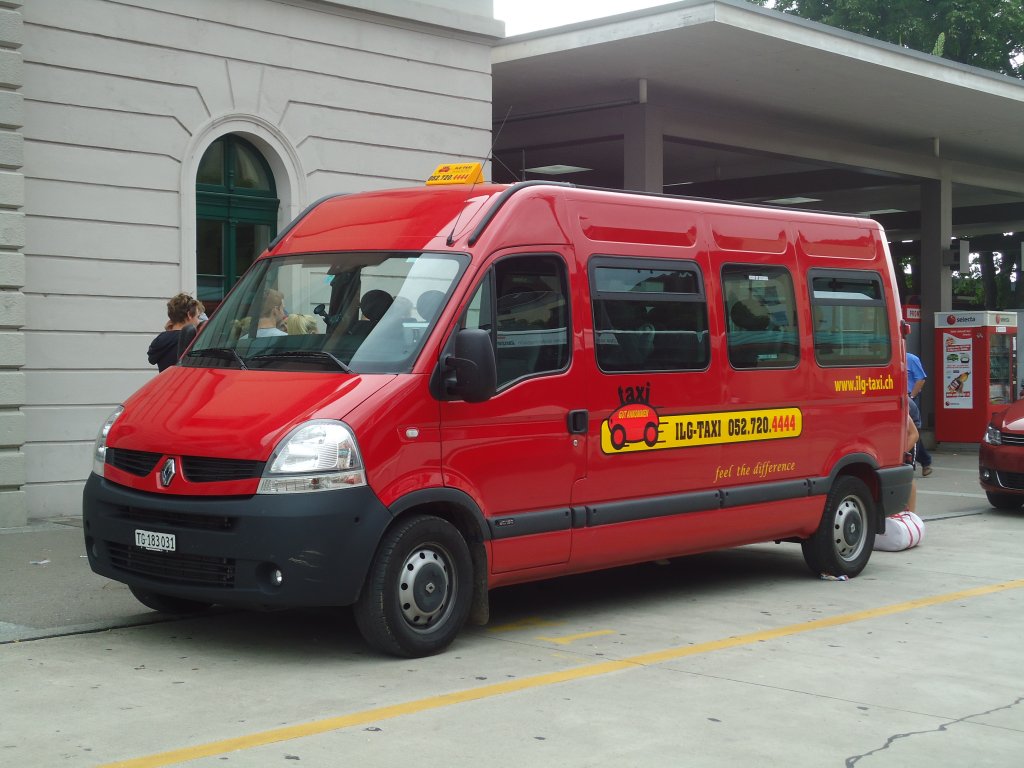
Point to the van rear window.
(851, 325)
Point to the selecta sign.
(971, 319)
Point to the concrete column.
(13, 506)
(643, 149)
(936, 279)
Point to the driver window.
(523, 302)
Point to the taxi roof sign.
(457, 173)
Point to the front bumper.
(1001, 468)
(227, 548)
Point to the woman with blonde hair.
(300, 325)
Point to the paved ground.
(731, 658)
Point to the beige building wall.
(121, 99)
(13, 503)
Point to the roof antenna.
(488, 157)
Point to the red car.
(633, 423)
(1001, 458)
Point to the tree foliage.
(994, 281)
(988, 34)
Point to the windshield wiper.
(306, 355)
(223, 352)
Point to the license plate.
(156, 542)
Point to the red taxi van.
(505, 384)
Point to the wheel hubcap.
(849, 529)
(423, 590)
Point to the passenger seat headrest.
(429, 303)
(375, 304)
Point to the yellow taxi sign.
(457, 173)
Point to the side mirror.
(475, 371)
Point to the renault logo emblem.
(167, 473)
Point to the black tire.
(618, 436)
(166, 603)
(843, 542)
(419, 589)
(1004, 500)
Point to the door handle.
(579, 422)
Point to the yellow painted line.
(567, 639)
(669, 654)
(529, 623)
(301, 730)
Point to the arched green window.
(236, 214)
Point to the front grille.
(1014, 480)
(1011, 439)
(173, 567)
(177, 519)
(197, 469)
(201, 469)
(139, 463)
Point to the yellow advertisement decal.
(457, 173)
(864, 384)
(689, 430)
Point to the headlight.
(993, 436)
(99, 451)
(315, 456)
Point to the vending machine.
(976, 371)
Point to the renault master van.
(506, 384)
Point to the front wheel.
(842, 544)
(166, 603)
(417, 593)
(1004, 500)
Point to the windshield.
(363, 312)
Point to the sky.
(521, 16)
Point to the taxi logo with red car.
(637, 426)
(635, 421)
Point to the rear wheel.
(1005, 500)
(166, 603)
(417, 594)
(842, 544)
(651, 434)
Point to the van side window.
(760, 316)
(648, 315)
(851, 326)
(524, 303)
